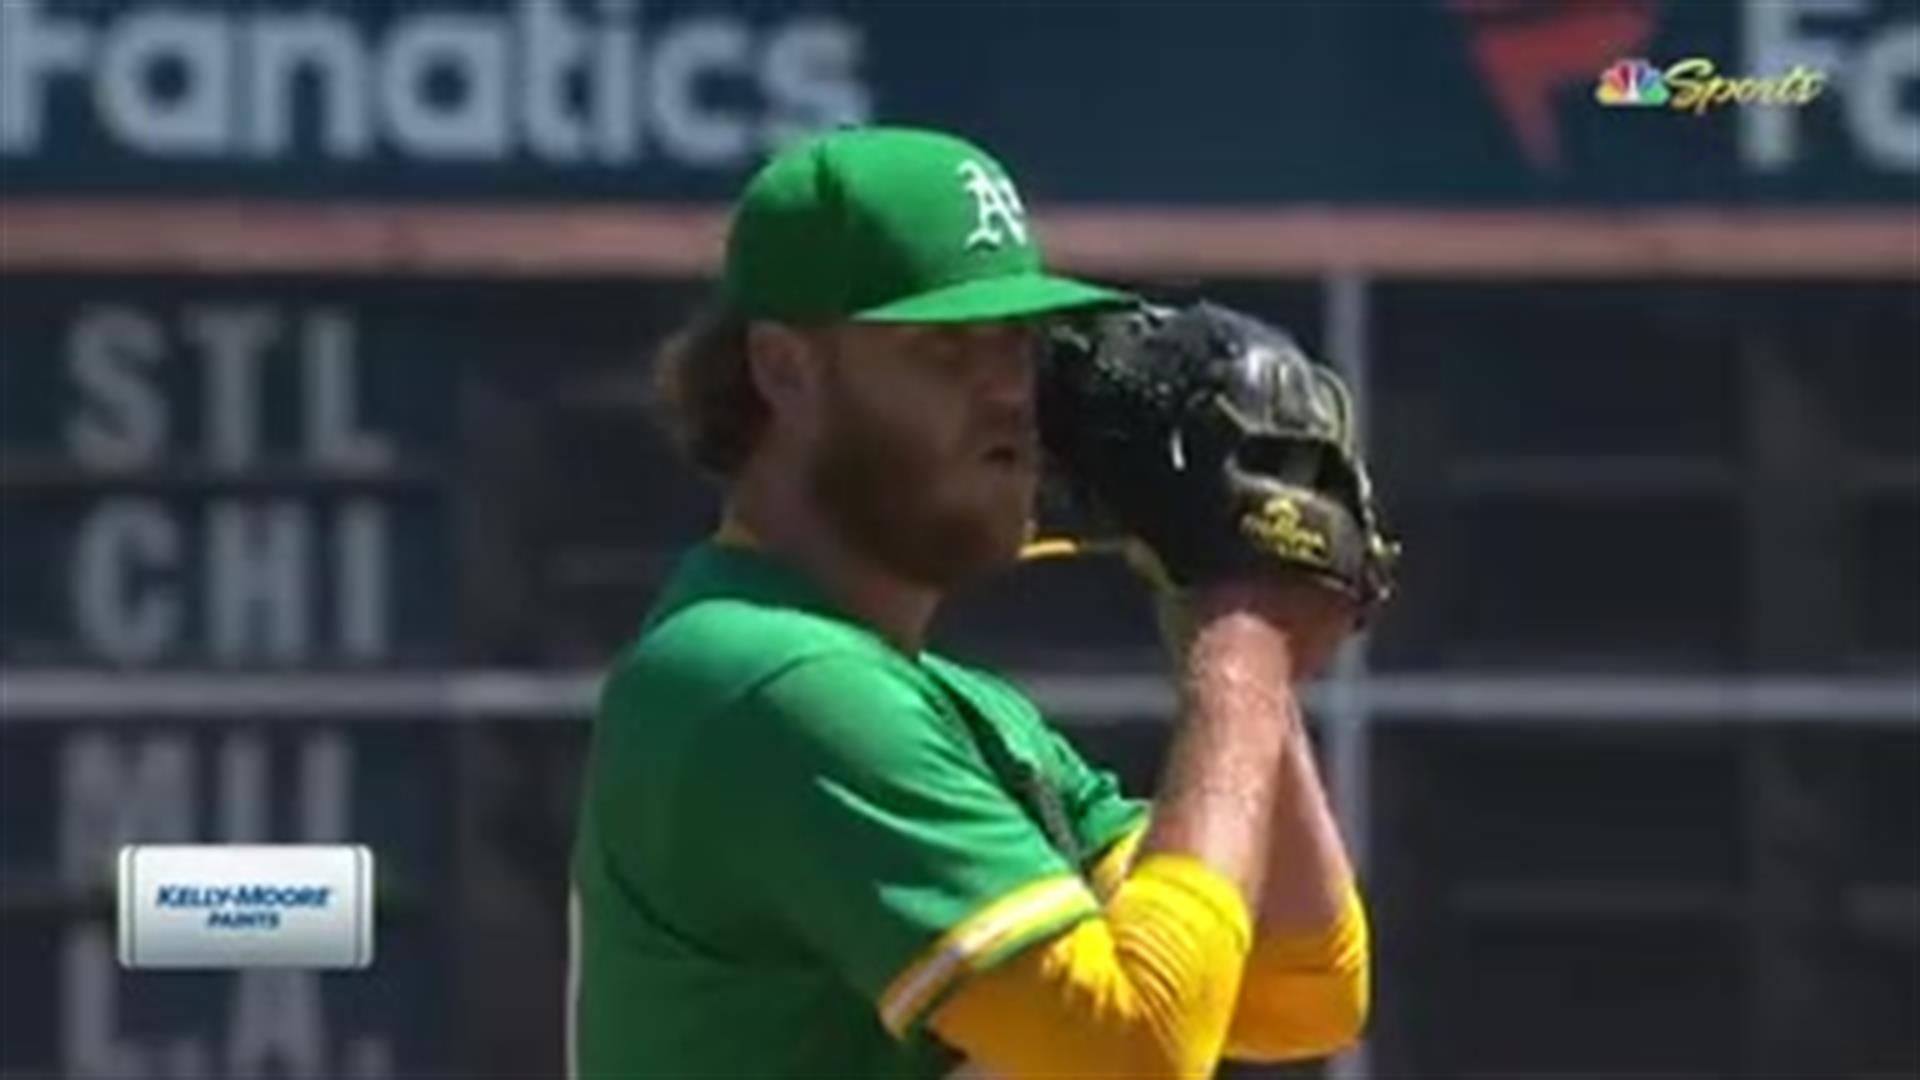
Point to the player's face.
(928, 456)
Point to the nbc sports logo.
(1695, 85)
(1633, 83)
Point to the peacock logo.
(1632, 83)
(1695, 85)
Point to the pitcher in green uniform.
(811, 846)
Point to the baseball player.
(811, 846)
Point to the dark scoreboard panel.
(213, 478)
(77, 790)
(222, 478)
(249, 474)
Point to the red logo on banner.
(1527, 51)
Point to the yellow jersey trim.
(1110, 870)
(1025, 912)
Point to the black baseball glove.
(1211, 438)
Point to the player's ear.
(783, 370)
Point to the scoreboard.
(76, 791)
(225, 478)
(220, 478)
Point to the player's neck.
(767, 519)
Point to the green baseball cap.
(889, 224)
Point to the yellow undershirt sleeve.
(1146, 990)
(1304, 995)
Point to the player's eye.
(946, 353)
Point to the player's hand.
(1312, 619)
(1315, 619)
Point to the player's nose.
(1007, 364)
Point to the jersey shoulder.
(727, 665)
(998, 697)
(727, 622)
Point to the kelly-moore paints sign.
(214, 906)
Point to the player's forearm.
(1151, 988)
(1217, 796)
(1305, 990)
(1308, 872)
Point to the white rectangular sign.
(212, 906)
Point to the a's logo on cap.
(1000, 214)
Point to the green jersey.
(796, 841)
